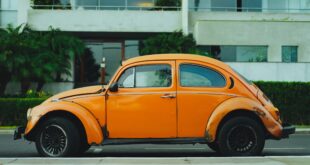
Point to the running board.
(120, 141)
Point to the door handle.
(168, 96)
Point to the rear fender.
(241, 103)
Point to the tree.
(86, 69)
(28, 56)
(169, 43)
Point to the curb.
(298, 131)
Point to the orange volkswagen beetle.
(168, 98)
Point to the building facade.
(265, 40)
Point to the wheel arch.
(240, 106)
(80, 116)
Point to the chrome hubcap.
(53, 140)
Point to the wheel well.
(58, 113)
(238, 113)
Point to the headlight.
(29, 113)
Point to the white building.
(262, 39)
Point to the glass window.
(223, 5)
(131, 48)
(236, 53)
(127, 79)
(252, 5)
(146, 76)
(153, 76)
(289, 53)
(198, 76)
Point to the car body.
(166, 98)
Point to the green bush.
(13, 110)
(292, 99)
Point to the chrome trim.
(207, 93)
(141, 93)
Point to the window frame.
(203, 66)
(134, 72)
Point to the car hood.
(77, 92)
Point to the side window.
(153, 76)
(198, 76)
(126, 80)
(146, 76)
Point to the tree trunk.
(40, 86)
(25, 85)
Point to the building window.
(226, 5)
(236, 53)
(289, 53)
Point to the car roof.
(192, 57)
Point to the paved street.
(296, 145)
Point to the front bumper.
(19, 131)
(287, 130)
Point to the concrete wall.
(272, 30)
(273, 71)
(106, 21)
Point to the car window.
(198, 76)
(126, 80)
(146, 76)
(153, 76)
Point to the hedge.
(292, 98)
(13, 110)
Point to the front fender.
(91, 125)
(246, 104)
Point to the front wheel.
(241, 136)
(58, 137)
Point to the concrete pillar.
(22, 11)
(184, 10)
(73, 4)
(274, 53)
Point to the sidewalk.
(298, 131)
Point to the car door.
(201, 88)
(145, 104)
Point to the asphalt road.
(296, 145)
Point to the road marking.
(284, 148)
(174, 148)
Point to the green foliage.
(292, 99)
(50, 4)
(13, 110)
(174, 42)
(86, 69)
(168, 3)
(28, 56)
(35, 94)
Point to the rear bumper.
(287, 130)
(19, 131)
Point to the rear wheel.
(241, 136)
(58, 137)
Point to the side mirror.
(113, 87)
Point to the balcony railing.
(246, 9)
(80, 7)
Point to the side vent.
(232, 83)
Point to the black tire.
(58, 137)
(84, 147)
(214, 146)
(241, 136)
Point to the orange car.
(169, 98)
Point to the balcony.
(105, 18)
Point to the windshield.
(245, 79)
